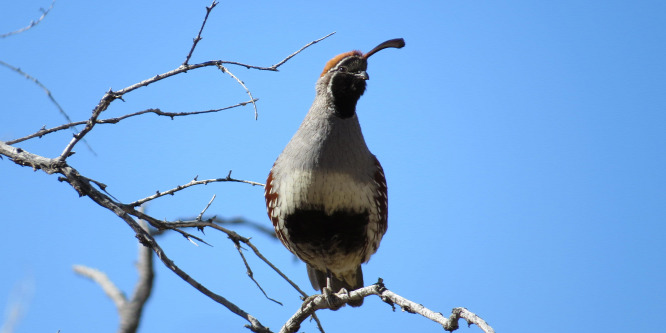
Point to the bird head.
(344, 77)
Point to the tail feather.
(351, 281)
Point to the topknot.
(331, 63)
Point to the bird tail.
(351, 280)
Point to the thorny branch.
(193, 182)
(85, 186)
(158, 112)
(111, 95)
(198, 38)
(318, 302)
(32, 23)
(49, 95)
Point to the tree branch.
(48, 94)
(32, 23)
(84, 188)
(158, 112)
(130, 309)
(130, 315)
(318, 302)
(198, 38)
(111, 95)
(225, 70)
(193, 182)
(301, 49)
(109, 288)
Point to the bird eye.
(342, 69)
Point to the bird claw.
(333, 300)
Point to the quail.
(326, 194)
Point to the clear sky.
(524, 145)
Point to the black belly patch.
(342, 231)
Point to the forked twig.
(193, 182)
(111, 95)
(206, 208)
(32, 23)
(198, 38)
(225, 70)
(248, 270)
(48, 94)
(158, 112)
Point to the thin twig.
(233, 235)
(158, 112)
(84, 188)
(261, 227)
(198, 38)
(301, 49)
(225, 70)
(248, 270)
(109, 288)
(160, 224)
(103, 104)
(48, 94)
(111, 95)
(207, 206)
(191, 183)
(32, 23)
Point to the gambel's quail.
(326, 193)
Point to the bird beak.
(363, 75)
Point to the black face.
(348, 84)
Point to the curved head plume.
(395, 43)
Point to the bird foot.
(333, 301)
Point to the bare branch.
(84, 188)
(261, 227)
(32, 23)
(109, 288)
(46, 90)
(111, 95)
(317, 302)
(198, 38)
(158, 112)
(48, 94)
(103, 104)
(248, 270)
(236, 238)
(130, 310)
(191, 183)
(301, 49)
(146, 239)
(205, 209)
(233, 235)
(130, 314)
(225, 70)
(160, 224)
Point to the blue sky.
(523, 144)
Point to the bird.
(326, 193)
